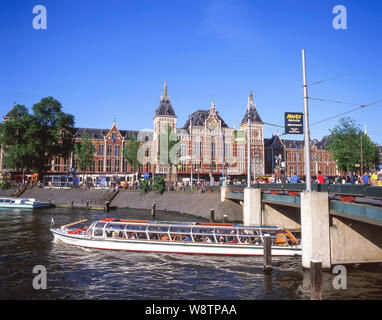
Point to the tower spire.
(251, 97)
(213, 109)
(165, 88)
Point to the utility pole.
(223, 173)
(191, 148)
(248, 149)
(361, 155)
(308, 173)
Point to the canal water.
(77, 273)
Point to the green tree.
(344, 143)
(18, 153)
(85, 152)
(158, 185)
(130, 153)
(169, 148)
(30, 141)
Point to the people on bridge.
(320, 178)
(365, 179)
(374, 179)
(295, 178)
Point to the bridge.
(339, 224)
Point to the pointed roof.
(165, 108)
(253, 114)
(199, 117)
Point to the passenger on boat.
(187, 238)
(165, 238)
(131, 235)
(280, 239)
(222, 240)
(208, 240)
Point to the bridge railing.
(353, 190)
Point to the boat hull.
(172, 247)
(26, 206)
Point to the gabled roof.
(294, 144)
(101, 133)
(199, 117)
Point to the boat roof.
(185, 224)
(16, 198)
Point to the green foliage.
(30, 141)
(159, 185)
(14, 137)
(169, 148)
(130, 153)
(145, 187)
(345, 145)
(5, 185)
(85, 152)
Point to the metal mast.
(248, 149)
(306, 128)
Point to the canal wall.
(195, 204)
(65, 196)
(7, 192)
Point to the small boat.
(174, 237)
(22, 203)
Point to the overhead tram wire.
(345, 74)
(362, 106)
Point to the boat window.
(202, 230)
(115, 226)
(243, 231)
(136, 235)
(156, 228)
(136, 227)
(1, 200)
(100, 225)
(7, 201)
(98, 233)
(180, 229)
(225, 231)
(116, 234)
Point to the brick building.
(207, 148)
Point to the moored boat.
(22, 203)
(174, 237)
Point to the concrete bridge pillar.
(223, 192)
(315, 236)
(252, 207)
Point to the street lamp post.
(256, 157)
(114, 138)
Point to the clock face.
(212, 125)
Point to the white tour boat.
(173, 237)
(22, 203)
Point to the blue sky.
(109, 59)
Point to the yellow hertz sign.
(294, 116)
(294, 123)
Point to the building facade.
(204, 148)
